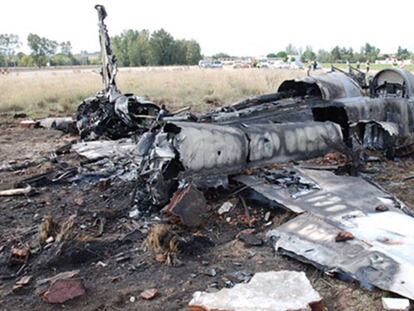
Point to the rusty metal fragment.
(188, 205)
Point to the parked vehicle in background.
(279, 64)
(205, 63)
(239, 65)
(263, 63)
(297, 64)
(216, 64)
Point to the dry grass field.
(59, 92)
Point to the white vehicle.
(297, 64)
(279, 64)
(263, 63)
(216, 64)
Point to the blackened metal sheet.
(334, 197)
(333, 85)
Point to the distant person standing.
(367, 66)
(315, 65)
(358, 65)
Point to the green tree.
(65, 48)
(8, 45)
(336, 54)
(291, 50)
(221, 55)
(403, 53)
(193, 55)
(370, 52)
(283, 55)
(42, 48)
(162, 48)
(323, 56)
(308, 55)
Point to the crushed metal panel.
(311, 239)
(331, 196)
(93, 150)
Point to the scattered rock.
(225, 208)
(63, 287)
(134, 213)
(210, 272)
(381, 208)
(395, 304)
(267, 216)
(28, 124)
(277, 291)
(19, 255)
(249, 238)
(21, 283)
(24, 280)
(343, 236)
(149, 294)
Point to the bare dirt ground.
(217, 260)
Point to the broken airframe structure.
(306, 118)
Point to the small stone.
(28, 124)
(381, 208)
(225, 208)
(134, 213)
(395, 304)
(149, 294)
(251, 239)
(50, 239)
(211, 272)
(24, 280)
(267, 216)
(63, 287)
(343, 236)
(132, 299)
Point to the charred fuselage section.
(110, 113)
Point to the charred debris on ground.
(176, 166)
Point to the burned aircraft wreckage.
(306, 118)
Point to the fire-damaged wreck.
(346, 225)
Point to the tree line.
(131, 48)
(367, 53)
(140, 48)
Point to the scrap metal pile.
(346, 225)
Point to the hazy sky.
(243, 27)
